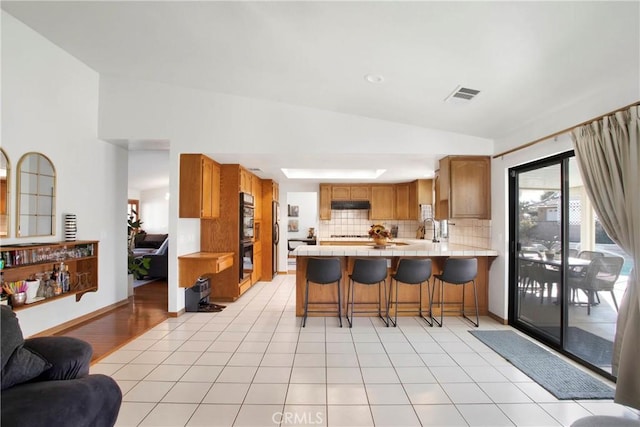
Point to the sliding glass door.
(566, 275)
(537, 294)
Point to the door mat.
(557, 376)
(588, 346)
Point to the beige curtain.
(608, 154)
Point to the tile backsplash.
(469, 232)
(357, 222)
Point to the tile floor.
(253, 365)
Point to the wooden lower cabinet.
(257, 264)
(369, 294)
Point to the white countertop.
(412, 247)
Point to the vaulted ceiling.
(525, 58)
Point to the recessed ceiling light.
(374, 78)
(333, 173)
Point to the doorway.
(554, 238)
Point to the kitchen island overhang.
(404, 248)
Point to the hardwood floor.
(112, 330)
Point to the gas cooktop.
(350, 235)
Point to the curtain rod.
(529, 144)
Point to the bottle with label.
(55, 279)
(65, 279)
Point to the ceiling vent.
(255, 169)
(462, 95)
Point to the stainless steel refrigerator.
(275, 217)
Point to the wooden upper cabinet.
(325, 201)
(199, 187)
(340, 192)
(440, 209)
(276, 191)
(464, 187)
(350, 192)
(425, 191)
(407, 200)
(246, 181)
(382, 202)
(360, 192)
(256, 187)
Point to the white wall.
(199, 121)
(50, 105)
(154, 210)
(308, 214)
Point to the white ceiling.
(526, 58)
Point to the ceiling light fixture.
(374, 78)
(333, 173)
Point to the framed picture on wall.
(294, 210)
(293, 225)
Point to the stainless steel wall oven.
(246, 235)
(246, 217)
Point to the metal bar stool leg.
(350, 294)
(429, 322)
(339, 305)
(395, 321)
(306, 305)
(385, 319)
(441, 303)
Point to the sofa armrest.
(92, 401)
(69, 357)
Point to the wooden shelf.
(25, 260)
(198, 264)
(78, 294)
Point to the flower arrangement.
(377, 231)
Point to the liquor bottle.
(65, 279)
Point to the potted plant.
(137, 267)
(551, 247)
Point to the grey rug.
(558, 377)
(590, 347)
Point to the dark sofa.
(46, 381)
(156, 248)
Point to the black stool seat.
(323, 271)
(368, 272)
(410, 272)
(458, 271)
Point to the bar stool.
(323, 271)
(368, 272)
(410, 272)
(457, 271)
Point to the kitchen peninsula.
(399, 248)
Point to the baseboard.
(176, 313)
(79, 320)
(498, 318)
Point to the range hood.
(350, 204)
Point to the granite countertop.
(407, 247)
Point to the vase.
(70, 227)
(380, 241)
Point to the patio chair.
(601, 275)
